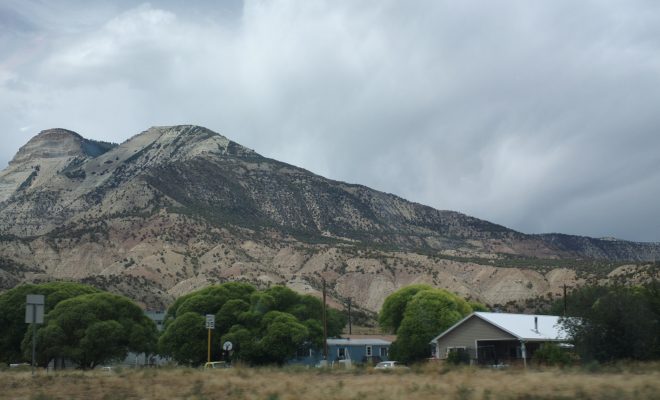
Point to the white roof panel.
(520, 325)
(523, 327)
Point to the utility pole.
(565, 304)
(325, 327)
(350, 324)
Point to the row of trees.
(265, 327)
(269, 326)
(82, 324)
(610, 323)
(89, 327)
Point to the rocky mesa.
(176, 208)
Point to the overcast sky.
(543, 116)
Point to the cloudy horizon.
(539, 116)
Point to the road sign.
(34, 309)
(35, 299)
(34, 314)
(227, 346)
(210, 321)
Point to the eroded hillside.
(176, 208)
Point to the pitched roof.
(519, 325)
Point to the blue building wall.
(357, 353)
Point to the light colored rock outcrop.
(176, 208)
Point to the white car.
(389, 365)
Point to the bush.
(551, 354)
(458, 357)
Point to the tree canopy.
(614, 322)
(419, 313)
(12, 312)
(185, 339)
(265, 327)
(94, 328)
(391, 314)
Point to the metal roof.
(358, 342)
(519, 325)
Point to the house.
(355, 350)
(158, 317)
(498, 338)
(359, 351)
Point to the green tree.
(265, 326)
(12, 312)
(336, 321)
(615, 322)
(428, 313)
(395, 304)
(230, 313)
(476, 306)
(282, 336)
(185, 339)
(209, 299)
(579, 300)
(94, 328)
(284, 299)
(245, 343)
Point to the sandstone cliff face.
(176, 208)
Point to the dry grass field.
(430, 382)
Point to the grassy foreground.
(430, 382)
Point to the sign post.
(34, 314)
(210, 325)
(227, 347)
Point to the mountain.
(176, 208)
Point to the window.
(456, 348)
(341, 353)
(383, 352)
(368, 351)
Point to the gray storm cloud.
(541, 116)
